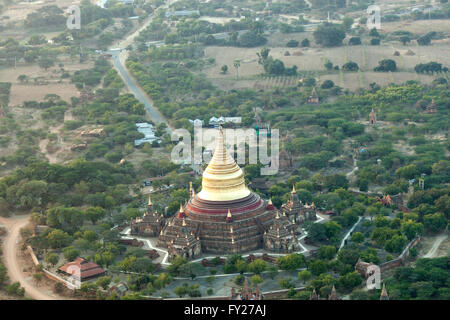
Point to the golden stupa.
(223, 179)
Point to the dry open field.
(417, 26)
(19, 11)
(21, 92)
(312, 60)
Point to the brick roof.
(87, 269)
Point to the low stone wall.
(401, 258)
(49, 274)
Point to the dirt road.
(433, 250)
(10, 259)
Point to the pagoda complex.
(225, 216)
(297, 211)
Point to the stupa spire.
(223, 179)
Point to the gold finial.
(149, 201)
(293, 189)
(181, 208)
(232, 240)
(277, 216)
(184, 223)
(231, 229)
(270, 201)
(229, 214)
(284, 214)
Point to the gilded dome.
(223, 179)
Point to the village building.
(82, 269)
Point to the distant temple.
(247, 292)
(384, 294)
(150, 224)
(281, 236)
(314, 295)
(431, 108)
(372, 117)
(313, 98)
(298, 212)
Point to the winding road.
(11, 261)
(433, 250)
(119, 57)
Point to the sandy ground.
(15, 260)
(19, 11)
(417, 26)
(27, 91)
(434, 246)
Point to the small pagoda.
(150, 225)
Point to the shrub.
(350, 66)
(292, 44)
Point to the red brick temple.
(225, 216)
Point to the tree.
(386, 65)
(353, 41)
(224, 69)
(291, 261)
(329, 35)
(435, 222)
(181, 291)
(95, 213)
(305, 43)
(318, 267)
(256, 279)
(58, 238)
(347, 23)
(405, 39)
(375, 41)
(327, 252)
(263, 55)
(328, 65)
(424, 40)
(304, 276)
(357, 237)
(411, 229)
(350, 66)
(45, 63)
(237, 65)
(350, 280)
(52, 258)
(22, 78)
(292, 44)
(37, 277)
(258, 266)
(396, 244)
(103, 282)
(374, 33)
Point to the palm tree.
(237, 64)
